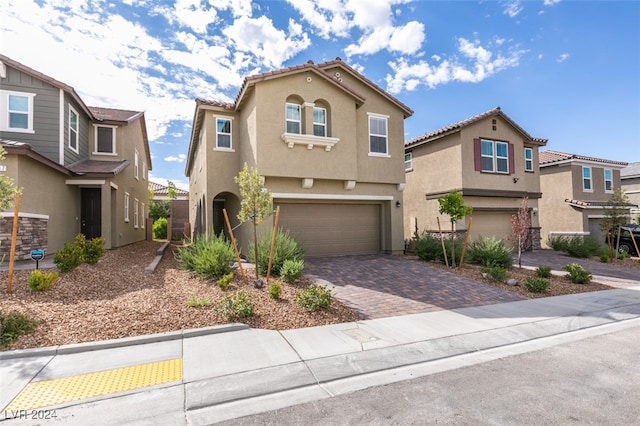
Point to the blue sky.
(567, 71)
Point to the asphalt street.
(594, 381)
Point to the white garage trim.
(297, 196)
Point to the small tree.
(255, 204)
(521, 228)
(616, 214)
(453, 205)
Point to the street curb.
(159, 253)
(119, 343)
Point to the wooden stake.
(14, 238)
(273, 242)
(233, 241)
(444, 249)
(464, 245)
(618, 240)
(633, 238)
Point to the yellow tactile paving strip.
(59, 391)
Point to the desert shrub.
(67, 258)
(286, 248)
(274, 290)
(623, 255)
(428, 247)
(604, 258)
(226, 279)
(14, 325)
(558, 242)
(543, 271)
(198, 302)
(490, 252)
(583, 247)
(291, 270)
(160, 228)
(92, 250)
(577, 274)
(40, 281)
(210, 257)
(236, 305)
(536, 284)
(496, 272)
(314, 297)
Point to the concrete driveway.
(380, 286)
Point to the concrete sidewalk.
(232, 371)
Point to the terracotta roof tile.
(160, 189)
(550, 157)
(114, 115)
(99, 167)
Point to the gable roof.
(159, 189)
(549, 158)
(456, 127)
(631, 171)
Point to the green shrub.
(68, 258)
(14, 325)
(210, 257)
(92, 250)
(160, 228)
(291, 270)
(428, 248)
(577, 274)
(543, 271)
(490, 252)
(286, 248)
(40, 281)
(583, 247)
(314, 297)
(536, 284)
(623, 255)
(604, 258)
(558, 242)
(496, 272)
(236, 305)
(274, 290)
(198, 302)
(226, 279)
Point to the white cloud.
(180, 158)
(512, 9)
(479, 64)
(563, 57)
(551, 2)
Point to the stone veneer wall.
(32, 235)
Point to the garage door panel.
(333, 229)
(491, 224)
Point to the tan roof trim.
(21, 148)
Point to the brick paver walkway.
(382, 285)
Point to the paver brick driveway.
(383, 285)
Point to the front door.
(91, 212)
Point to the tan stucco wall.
(631, 188)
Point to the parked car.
(626, 242)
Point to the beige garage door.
(491, 224)
(333, 229)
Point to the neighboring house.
(575, 192)
(178, 207)
(490, 159)
(329, 144)
(81, 169)
(630, 183)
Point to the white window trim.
(136, 164)
(126, 207)
(604, 173)
(583, 179)
(287, 120)
(95, 140)
(143, 219)
(144, 170)
(4, 107)
(496, 157)
(317, 123)
(223, 148)
(136, 206)
(385, 154)
(77, 148)
(410, 161)
(528, 169)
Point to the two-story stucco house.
(329, 144)
(490, 159)
(630, 183)
(576, 190)
(81, 169)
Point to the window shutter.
(512, 165)
(477, 156)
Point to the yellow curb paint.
(59, 391)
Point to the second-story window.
(136, 164)
(294, 120)
(528, 159)
(105, 140)
(408, 161)
(223, 133)
(378, 134)
(17, 111)
(586, 179)
(319, 122)
(495, 156)
(73, 129)
(608, 180)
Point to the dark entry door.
(91, 212)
